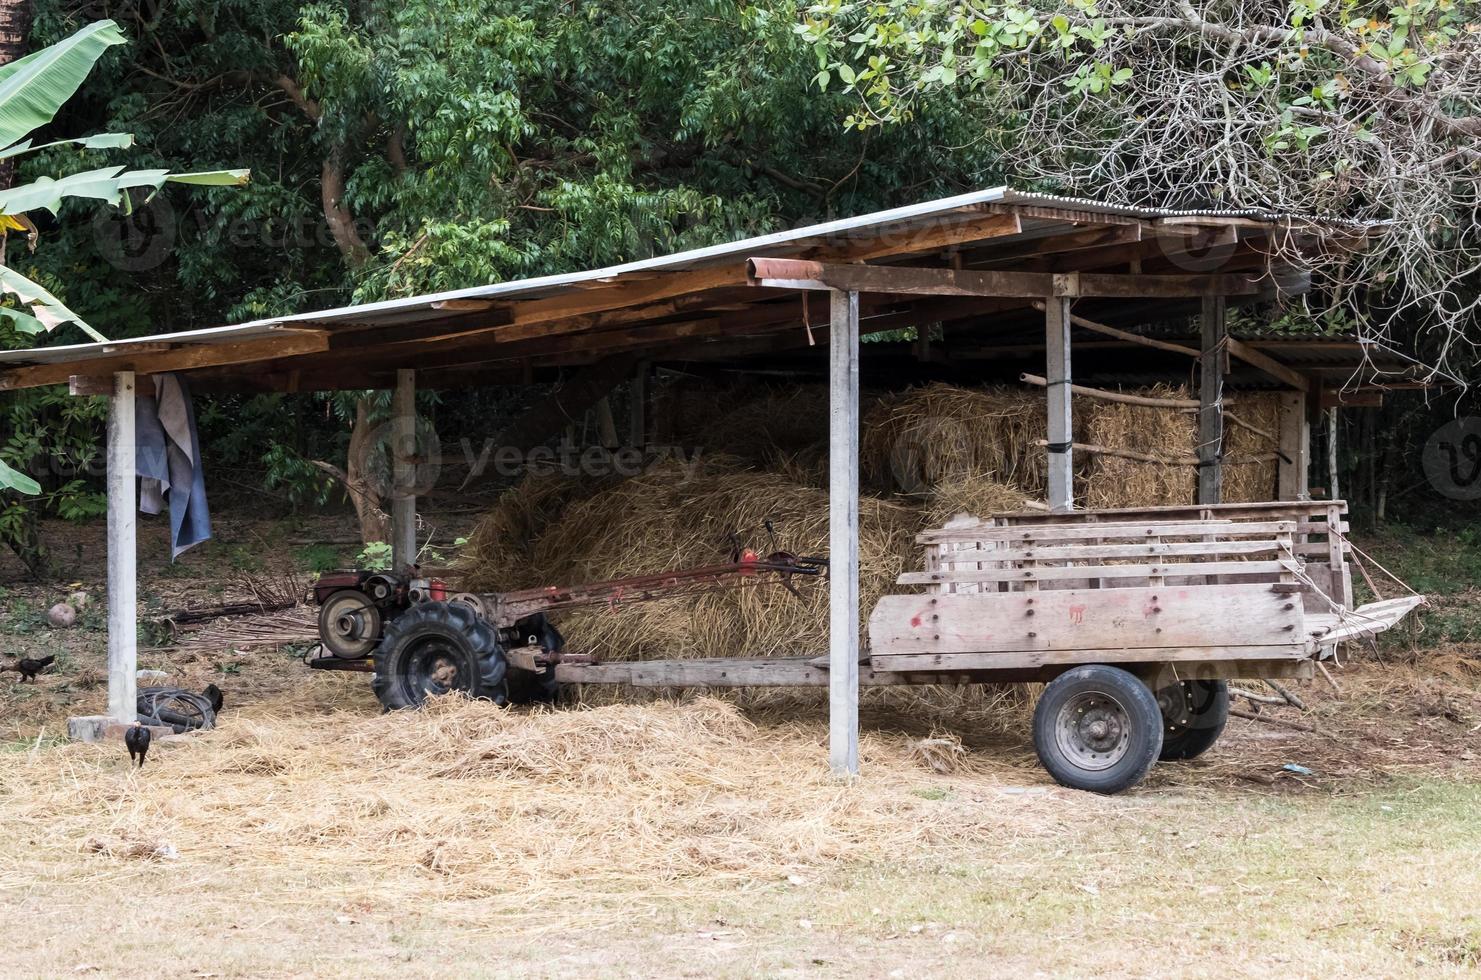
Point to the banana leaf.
(33, 88)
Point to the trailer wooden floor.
(812, 672)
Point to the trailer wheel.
(435, 648)
(1194, 714)
(1097, 728)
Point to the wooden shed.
(1008, 276)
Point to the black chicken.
(137, 740)
(213, 694)
(30, 667)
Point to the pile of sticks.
(1279, 696)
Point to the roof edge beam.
(801, 274)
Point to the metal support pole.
(403, 470)
(843, 535)
(1061, 419)
(123, 585)
(1211, 402)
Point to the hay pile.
(1111, 481)
(927, 454)
(675, 516)
(464, 800)
(941, 434)
(781, 428)
(1247, 482)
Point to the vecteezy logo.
(1452, 459)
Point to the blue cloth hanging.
(168, 459)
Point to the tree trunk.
(374, 524)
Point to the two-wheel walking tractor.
(1134, 619)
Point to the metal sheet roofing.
(411, 308)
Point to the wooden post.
(606, 423)
(1334, 492)
(123, 585)
(403, 470)
(1210, 401)
(1295, 448)
(843, 535)
(1061, 427)
(637, 421)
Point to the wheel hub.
(435, 668)
(1093, 730)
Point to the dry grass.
(1116, 482)
(941, 433)
(311, 835)
(1248, 482)
(671, 517)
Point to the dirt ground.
(311, 835)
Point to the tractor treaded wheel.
(435, 647)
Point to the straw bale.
(1115, 482)
(1247, 482)
(941, 433)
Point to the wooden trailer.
(1136, 619)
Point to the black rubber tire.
(528, 687)
(1194, 714)
(450, 631)
(1109, 692)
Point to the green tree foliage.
(1363, 110)
(405, 147)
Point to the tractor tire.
(435, 648)
(1097, 728)
(1194, 714)
(529, 687)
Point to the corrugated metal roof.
(411, 308)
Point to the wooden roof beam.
(797, 274)
(182, 358)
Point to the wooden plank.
(1035, 533)
(184, 358)
(802, 274)
(1259, 359)
(1211, 402)
(1024, 660)
(843, 534)
(123, 583)
(1060, 442)
(1295, 448)
(1086, 552)
(1060, 573)
(1183, 512)
(1074, 620)
(721, 672)
(403, 471)
(948, 231)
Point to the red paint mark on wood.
(1077, 614)
(915, 621)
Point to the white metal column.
(403, 470)
(843, 535)
(123, 586)
(1061, 428)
